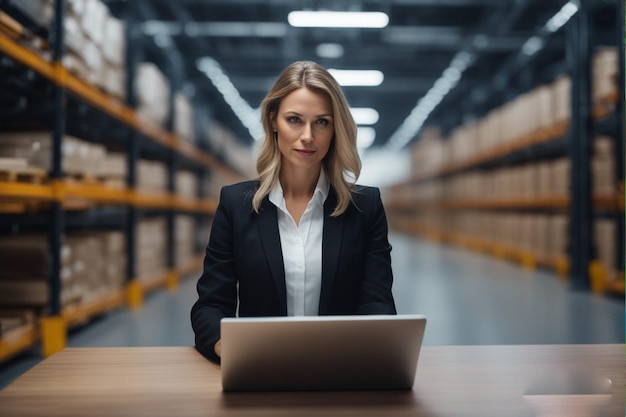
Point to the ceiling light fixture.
(249, 117)
(364, 115)
(557, 21)
(532, 45)
(365, 137)
(329, 50)
(363, 78)
(328, 19)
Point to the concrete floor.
(467, 298)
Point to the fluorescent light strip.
(329, 50)
(364, 115)
(327, 19)
(249, 117)
(365, 136)
(563, 16)
(362, 78)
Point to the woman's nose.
(307, 134)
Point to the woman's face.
(305, 129)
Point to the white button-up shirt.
(302, 249)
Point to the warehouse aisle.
(467, 298)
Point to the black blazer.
(244, 258)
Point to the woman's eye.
(323, 122)
(293, 119)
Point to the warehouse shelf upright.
(418, 204)
(608, 119)
(59, 193)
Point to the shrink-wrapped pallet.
(114, 49)
(545, 107)
(94, 16)
(153, 91)
(186, 184)
(605, 239)
(184, 235)
(151, 249)
(26, 269)
(151, 176)
(40, 11)
(605, 73)
(183, 117)
(561, 94)
(115, 169)
(558, 235)
(544, 178)
(561, 174)
(78, 157)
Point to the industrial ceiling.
(481, 47)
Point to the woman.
(303, 239)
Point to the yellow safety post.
(172, 280)
(562, 267)
(598, 276)
(53, 335)
(498, 251)
(528, 261)
(134, 293)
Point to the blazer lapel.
(267, 220)
(331, 245)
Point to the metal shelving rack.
(63, 88)
(572, 137)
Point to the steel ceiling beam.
(385, 3)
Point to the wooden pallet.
(10, 26)
(26, 174)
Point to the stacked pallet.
(186, 184)
(603, 169)
(97, 267)
(534, 113)
(152, 90)
(15, 322)
(95, 46)
(92, 266)
(24, 151)
(542, 179)
(543, 235)
(151, 176)
(151, 249)
(184, 240)
(605, 82)
(25, 269)
(78, 157)
(183, 118)
(605, 238)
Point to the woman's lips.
(304, 152)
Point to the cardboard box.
(114, 49)
(603, 173)
(23, 293)
(561, 93)
(605, 239)
(561, 174)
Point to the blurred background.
(494, 128)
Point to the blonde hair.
(342, 158)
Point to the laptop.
(321, 352)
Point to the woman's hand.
(218, 348)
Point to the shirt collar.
(320, 194)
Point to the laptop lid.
(321, 352)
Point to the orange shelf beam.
(79, 314)
(17, 341)
(26, 191)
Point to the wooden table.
(451, 381)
